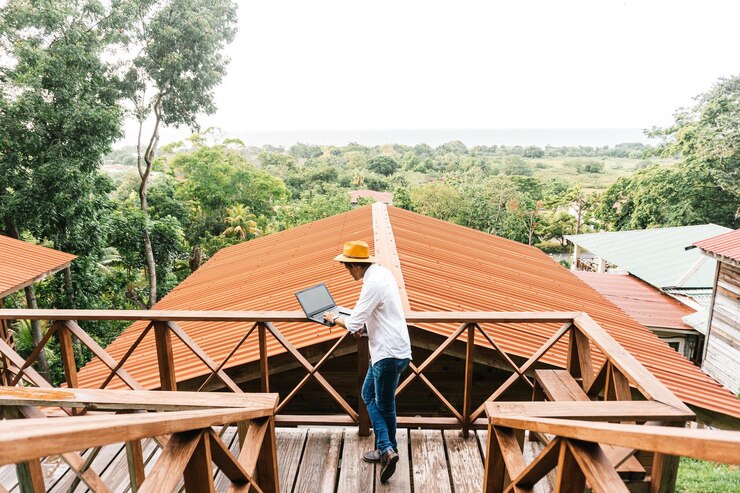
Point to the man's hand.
(359, 333)
(330, 316)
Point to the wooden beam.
(33, 438)
(712, 445)
(66, 349)
(494, 471)
(170, 466)
(264, 368)
(539, 467)
(595, 465)
(589, 410)
(579, 358)
(29, 374)
(363, 364)
(468, 384)
(35, 353)
(198, 475)
(570, 478)
(165, 360)
(135, 461)
(511, 453)
(116, 400)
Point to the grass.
(697, 476)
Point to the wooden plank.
(290, 444)
(401, 480)
(151, 400)
(135, 461)
(66, 350)
(570, 478)
(595, 466)
(539, 467)
(198, 476)
(267, 465)
(165, 360)
(663, 474)
(645, 381)
(8, 477)
(466, 465)
(428, 461)
(467, 395)
(229, 438)
(264, 368)
(363, 363)
(318, 469)
(30, 476)
(590, 410)
(511, 453)
(558, 385)
(712, 445)
(33, 438)
(580, 363)
(227, 462)
(356, 474)
(171, 464)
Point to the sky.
(492, 64)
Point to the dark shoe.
(372, 457)
(388, 463)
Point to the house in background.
(722, 352)
(658, 312)
(21, 265)
(383, 197)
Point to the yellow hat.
(356, 251)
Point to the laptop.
(316, 301)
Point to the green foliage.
(383, 165)
(305, 151)
(515, 165)
(662, 197)
(707, 137)
(533, 152)
(697, 476)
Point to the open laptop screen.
(316, 299)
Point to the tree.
(515, 165)
(59, 114)
(533, 152)
(383, 165)
(179, 64)
(707, 137)
(241, 223)
(438, 199)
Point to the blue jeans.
(379, 395)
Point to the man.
(379, 310)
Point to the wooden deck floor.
(313, 460)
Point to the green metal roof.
(657, 256)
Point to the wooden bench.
(559, 385)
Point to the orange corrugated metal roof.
(639, 300)
(725, 245)
(22, 263)
(445, 268)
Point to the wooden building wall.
(722, 359)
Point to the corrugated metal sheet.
(445, 267)
(725, 245)
(639, 300)
(23, 263)
(657, 256)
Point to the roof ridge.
(386, 252)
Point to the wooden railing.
(597, 364)
(578, 450)
(183, 426)
(612, 380)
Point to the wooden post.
(264, 369)
(363, 363)
(494, 471)
(166, 363)
(665, 469)
(135, 459)
(4, 363)
(267, 465)
(469, 354)
(570, 478)
(579, 357)
(198, 474)
(30, 476)
(67, 353)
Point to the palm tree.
(242, 223)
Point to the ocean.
(591, 137)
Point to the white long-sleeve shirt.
(380, 308)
